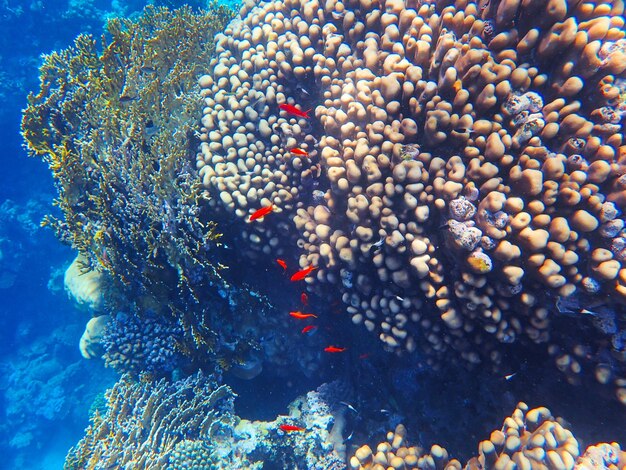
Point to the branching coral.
(144, 422)
(116, 128)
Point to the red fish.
(364, 356)
(334, 349)
(309, 329)
(262, 212)
(304, 299)
(299, 151)
(300, 275)
(295, 111)
(302, 316)
(282, 263)
(290, 428)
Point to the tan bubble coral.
(420, 106)
(529, 439)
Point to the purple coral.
(143, 344)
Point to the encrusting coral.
(529, 439)
(463, 171)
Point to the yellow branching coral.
(144, 420)
(114, 121)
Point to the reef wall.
(462, 186)
(448, 175)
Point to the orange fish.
(299, 151)
(309, 329)
(262, 212)
(295, 111)
(302, 316)
(334, 349)
(282, 263)
(300, 275)
(290, 428)
(304, 299)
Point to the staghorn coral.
(144, 421)
(415, 105)
(528, 439)
(115, 129)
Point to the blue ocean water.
(48, 390)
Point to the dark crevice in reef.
(265, 397)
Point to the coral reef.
(115, 129)
(190, 423)
(528, 439)
(150, 344)
(463, 171)
(45, 386)
(437, 170)
(144, 421)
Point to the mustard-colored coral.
(114, 121)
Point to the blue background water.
(46, 387)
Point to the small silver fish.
(349, 406)
(510, 376)
(588, 312)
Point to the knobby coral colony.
(463, 191)
(529, 439)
